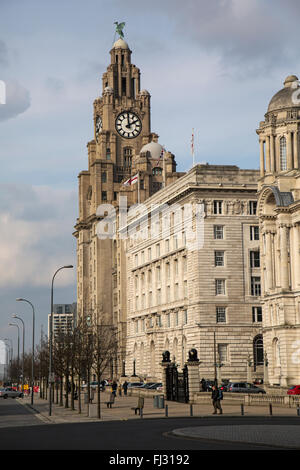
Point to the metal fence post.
(191, 410)
(270, 408)
(166, 411)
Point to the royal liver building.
(180, 260)
(279, 216)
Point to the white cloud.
(17, 100)
(32, 248)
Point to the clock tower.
(123, 146)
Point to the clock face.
(98, 126)
(128, 125)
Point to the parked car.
(135, 384)
(148, 385)
(244, 387)
(155, 386)
(295, 390)
(93, 385)
(9, 392)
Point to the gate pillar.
(165, 364)
(193, 373)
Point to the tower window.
(254, 232)
(127, 153)
(254, 259)
(104, 196)
(122, 59)
(108, 155)
(157, 171)
(283, 161)
(104, 177)
(123, 85)
(252, 207)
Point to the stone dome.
(154, 148)
(144, 92)
(286, 98)
(120, 44)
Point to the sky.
(209, 66)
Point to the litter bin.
(155, 401)
(161, 401)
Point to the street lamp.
(32, 363)
(18, 361)
(10, 352)
(51, 338)
(15, 316)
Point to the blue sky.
(212, 66)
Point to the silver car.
(244, 387)
(9, 392)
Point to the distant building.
(3, 360)
(64, 318)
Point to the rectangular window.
(256, 314)
(252, 207)
(136, 260)
(223, 353)
(157, 250)
(255, 286)
(167, 244)
(254, 232)
(168, 270)
(149, 254)
(184, 265)
(123, 86)
(168, 294)
(108, 155)
(158, 279)
(158, 297)
(176, 291)
(176, 267)
(104, 177)
(175, 242)
(219, 258)
(185, 289)
(221, 314)
(254, 259)
(142, 257)
(168, 320)
(220, 286)
(150, 299)
(158, 320)
(218, 207)
(176, 319)
(104, 196)
(185, 317)
(218, 232)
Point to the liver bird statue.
(119, 29)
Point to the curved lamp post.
(32, 363)
(51, 379)
(18, 361)
(23, 346)
(10, 353)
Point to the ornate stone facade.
(279, 217)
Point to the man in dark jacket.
(216, 399)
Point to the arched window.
(157, 171)
(283, 162)
(127, 157)
(258, 351)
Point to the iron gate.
(177, 384)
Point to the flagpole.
(193, 150)
(139, 196)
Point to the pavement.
(277, 435)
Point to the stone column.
(164, 365)
(272, 154)
(284, 262)
(268, 165)
(296, 164)
(269, 261)
(295, 259)
(289, 151)
(262, 158)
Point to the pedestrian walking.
(114, 388)
(217, 396)
(120, 389)
(125, 387)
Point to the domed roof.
(144, 92)
(154, 148)
(120, 43)
(286, 97)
